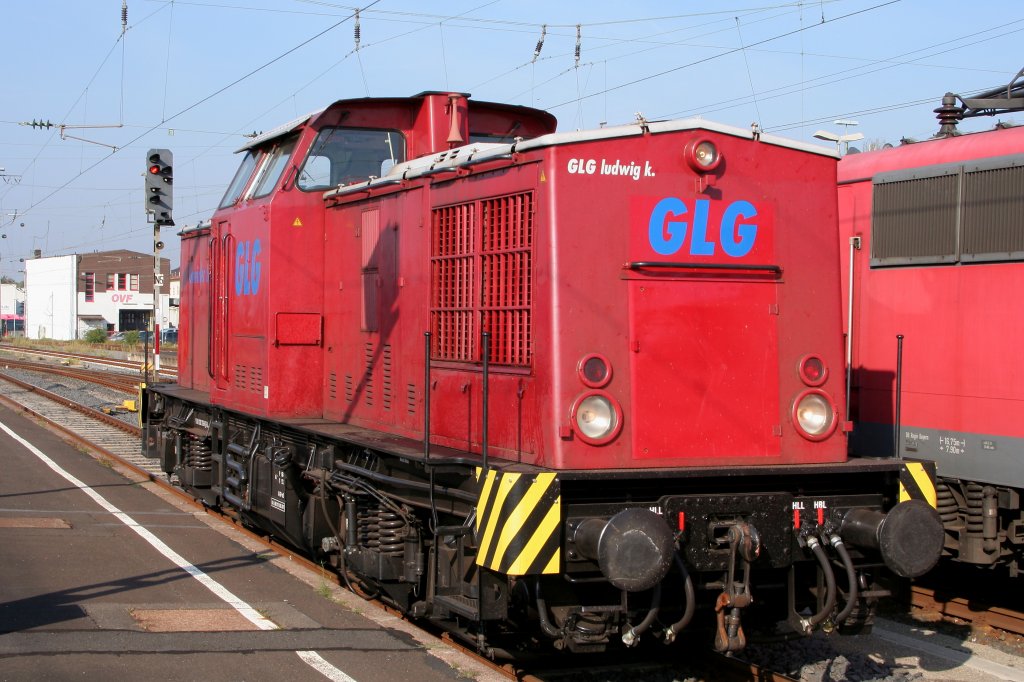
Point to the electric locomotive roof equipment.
(581, 386)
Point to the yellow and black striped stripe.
(518, 522)
(917, 482)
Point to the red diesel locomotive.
(576, 386)
(935, 232)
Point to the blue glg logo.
(247, 268)
(667, 233)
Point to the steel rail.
(119, 382)
(133, 365)
(968, 610)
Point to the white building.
(50, 308)
(66, 296)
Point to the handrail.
(644, 265)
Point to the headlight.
(814, 414)
(596, 416)
(702, 155)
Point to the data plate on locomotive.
(704, 522)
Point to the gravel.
(82, 392)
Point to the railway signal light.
(160, 186)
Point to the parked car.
(169, 336)
(143, 336)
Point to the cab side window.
(342, 156)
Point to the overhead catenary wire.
(63, 119)
(167, 62)
(198, 103)
(703, 60)
(750, 77)
(874, 66)
(594, 43)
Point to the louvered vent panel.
(993, 215)
(349, 388)
(914, 221)
(482, 268)
(410, 398)
(385, 378)
(332, 386)
(367, 387)
(241, 375)
(507, 274)
(453, 291)
(256, 379)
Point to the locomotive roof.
(932, 152)
(479, 152)
(278, 131)
(281, 130)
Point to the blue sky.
(195, 76)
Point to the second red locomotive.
(935, 232)
(579, 384)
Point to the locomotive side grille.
(993, 214)
(914, 221)
(349, 388)
(452, 288)
(332, 386)
(951, 213)
(385, 376)
(240, 377)
(482, 280)
(507, 269)
(367, 386)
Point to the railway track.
(980, 615)
(91, 428)
(124, 383)
(135, 366)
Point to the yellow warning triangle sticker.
(297, 223)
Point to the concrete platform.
(130, 583)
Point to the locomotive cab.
(267, 274)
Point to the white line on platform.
(311, 658)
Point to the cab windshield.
(342, 156)
(240, 180)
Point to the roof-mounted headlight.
(702, 155)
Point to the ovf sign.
(703, 228)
